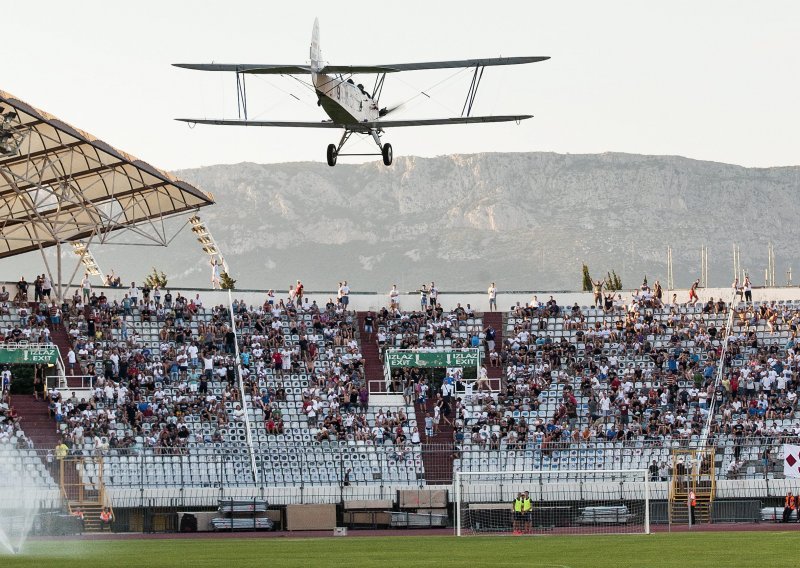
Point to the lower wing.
(362, 126)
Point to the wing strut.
(241, 95)
(477, 75)
(378, 88)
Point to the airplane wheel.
(386, 151)
(331, 155)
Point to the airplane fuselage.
(343, 100)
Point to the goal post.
(561, 502)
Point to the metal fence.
(150, 489)
(304, 464)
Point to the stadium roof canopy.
(60, 185)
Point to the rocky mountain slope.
(527, 221)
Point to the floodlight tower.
(207, 242)
(82, 251)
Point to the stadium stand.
(612, 387)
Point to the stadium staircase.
(60, 337)
(438, 462)
(35, 420)
(373, 366)
(686, 478)
(495, 320)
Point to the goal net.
(562, 502)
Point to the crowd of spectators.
(10, 429)
(757, 396)
(158, 366)
(640, 370)
(635, 369)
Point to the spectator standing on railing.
(748, 289)
(394, 298)
(597, 290)
(133, 293)
(423, 298)
(86, 287)
(434, 294)
(693, 297)
(22, 291)
(37, 288)
(492, 293)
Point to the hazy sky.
(713, 80)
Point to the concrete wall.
(361, 301)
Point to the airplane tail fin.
(316, 53)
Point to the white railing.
(87, 381)
(242, 391)
(720, 370)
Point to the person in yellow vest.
(105, 519)
(789, 505)
(527, 511)
(517, 514)
(61, 450)
(692, 505)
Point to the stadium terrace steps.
(91, 515)
(35, 420)
(495, 320)
(60, 337)
(438, 465)
(373, 366)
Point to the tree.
(613, 282)
(587, 279)
(155, 278)
(226, 282)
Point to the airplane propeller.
(387, 111)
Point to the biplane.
(349, 106)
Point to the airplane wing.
(254, 68)
(441, 121)
(279, 123)
(276, 69)
(395, 67)
(361, 126)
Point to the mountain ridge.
(525, 220)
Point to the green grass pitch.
(682, 550)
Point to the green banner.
(28, 355)
(471, 358)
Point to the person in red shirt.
(734, 385)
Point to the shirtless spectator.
(693, 297)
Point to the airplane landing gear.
(334, 150)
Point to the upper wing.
(255, 68)
(275, 69)
(361, 126)
(392, 68)
(224, 122)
